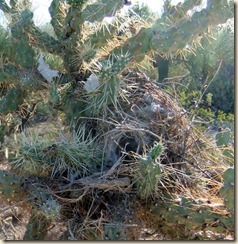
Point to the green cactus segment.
(73, 108)
(3, 131)
(78, 4)
(4, 7)
(110, 85)
(223, 138)
(13, 3)
(188, 5)
(156, 151)
(99, 39)
(24, 53)
(44, 202)
(35, 37)
(138, 46)
(149, 172)
(44, 41)
(30, 83)
(229, 156)
(193, 216)
(114, 232)
(219, 11)
(107, 232)
(25, 35)
(101, 9)
(51, 208)
(9, 74)
(12, 100)
(227, 191)
(104, 96)
(56, 11)
(10, 186)
(177, 37)
(91, 13)
(113, 66)
(37, 226)
(178, 12)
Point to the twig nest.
(151, 115)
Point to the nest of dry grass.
(153, 115)
(191, 166)
(191, 163)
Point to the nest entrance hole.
(128, 146)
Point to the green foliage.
(225, 120)
(211, 67)
(222, 87)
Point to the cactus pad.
(11, 186)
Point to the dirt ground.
(13, 222)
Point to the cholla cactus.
(95, 60)
(81, 37)
(150, 172)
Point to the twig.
(71, 233)
(218, 69)
(16, 204)
(74, 200)
(112, 169)
(175, 78)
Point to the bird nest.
(190, 164)
(152, 154)
(151, 115)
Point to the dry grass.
(191, 168)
